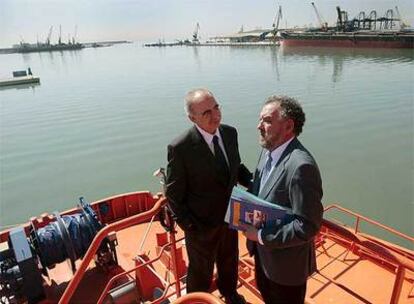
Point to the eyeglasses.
(209, 112)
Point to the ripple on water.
(100, 121)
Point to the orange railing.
(149, 262)
(122, 224)
(353, 241)
(399, 258)
(360, 217)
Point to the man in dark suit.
(286, 175)
(203, 166)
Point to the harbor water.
(100, 120)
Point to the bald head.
(196, 96)
(203, 110)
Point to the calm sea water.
(99, 122)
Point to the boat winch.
(65, 238)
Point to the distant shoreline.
(13, 50)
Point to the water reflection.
(358, 128)
(73, 56)
(340, 56)
(274, 59)
(196, 56)
(27, 86)
(378, 54)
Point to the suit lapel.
(273, 178)
(258, 174)
(201, 149)
(229, 147)
(230, 151)
(278, 170)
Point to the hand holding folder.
(245, 207)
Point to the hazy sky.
(147, 20)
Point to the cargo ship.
(127, 249)
(43, 47)
(363, 31)
(47, 46)
(360, 39)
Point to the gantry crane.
(372, 20)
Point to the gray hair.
(194, 96)
(289, 108)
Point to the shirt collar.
(277, 153)
(207, 136)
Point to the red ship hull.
(352, 40)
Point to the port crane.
(403, 25)
(74, 35)
(387, 22)
(276, 20)
(372, 20)
(49, 35)
(22, 42)
(195, 34)
(322, 23)
(342, 22)
(60, 35)
(362, 20)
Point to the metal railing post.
(398, 283)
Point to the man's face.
(274, 130)
(206, 114)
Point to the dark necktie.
(220, 159)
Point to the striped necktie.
(266, 170)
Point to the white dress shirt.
(209, 140)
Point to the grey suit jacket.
(197, 194)
(288, 254)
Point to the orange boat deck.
(352, 267)
(343, 277)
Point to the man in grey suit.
(203, 166)
(286, 175)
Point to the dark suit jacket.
(197, 195)
(288, 253)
